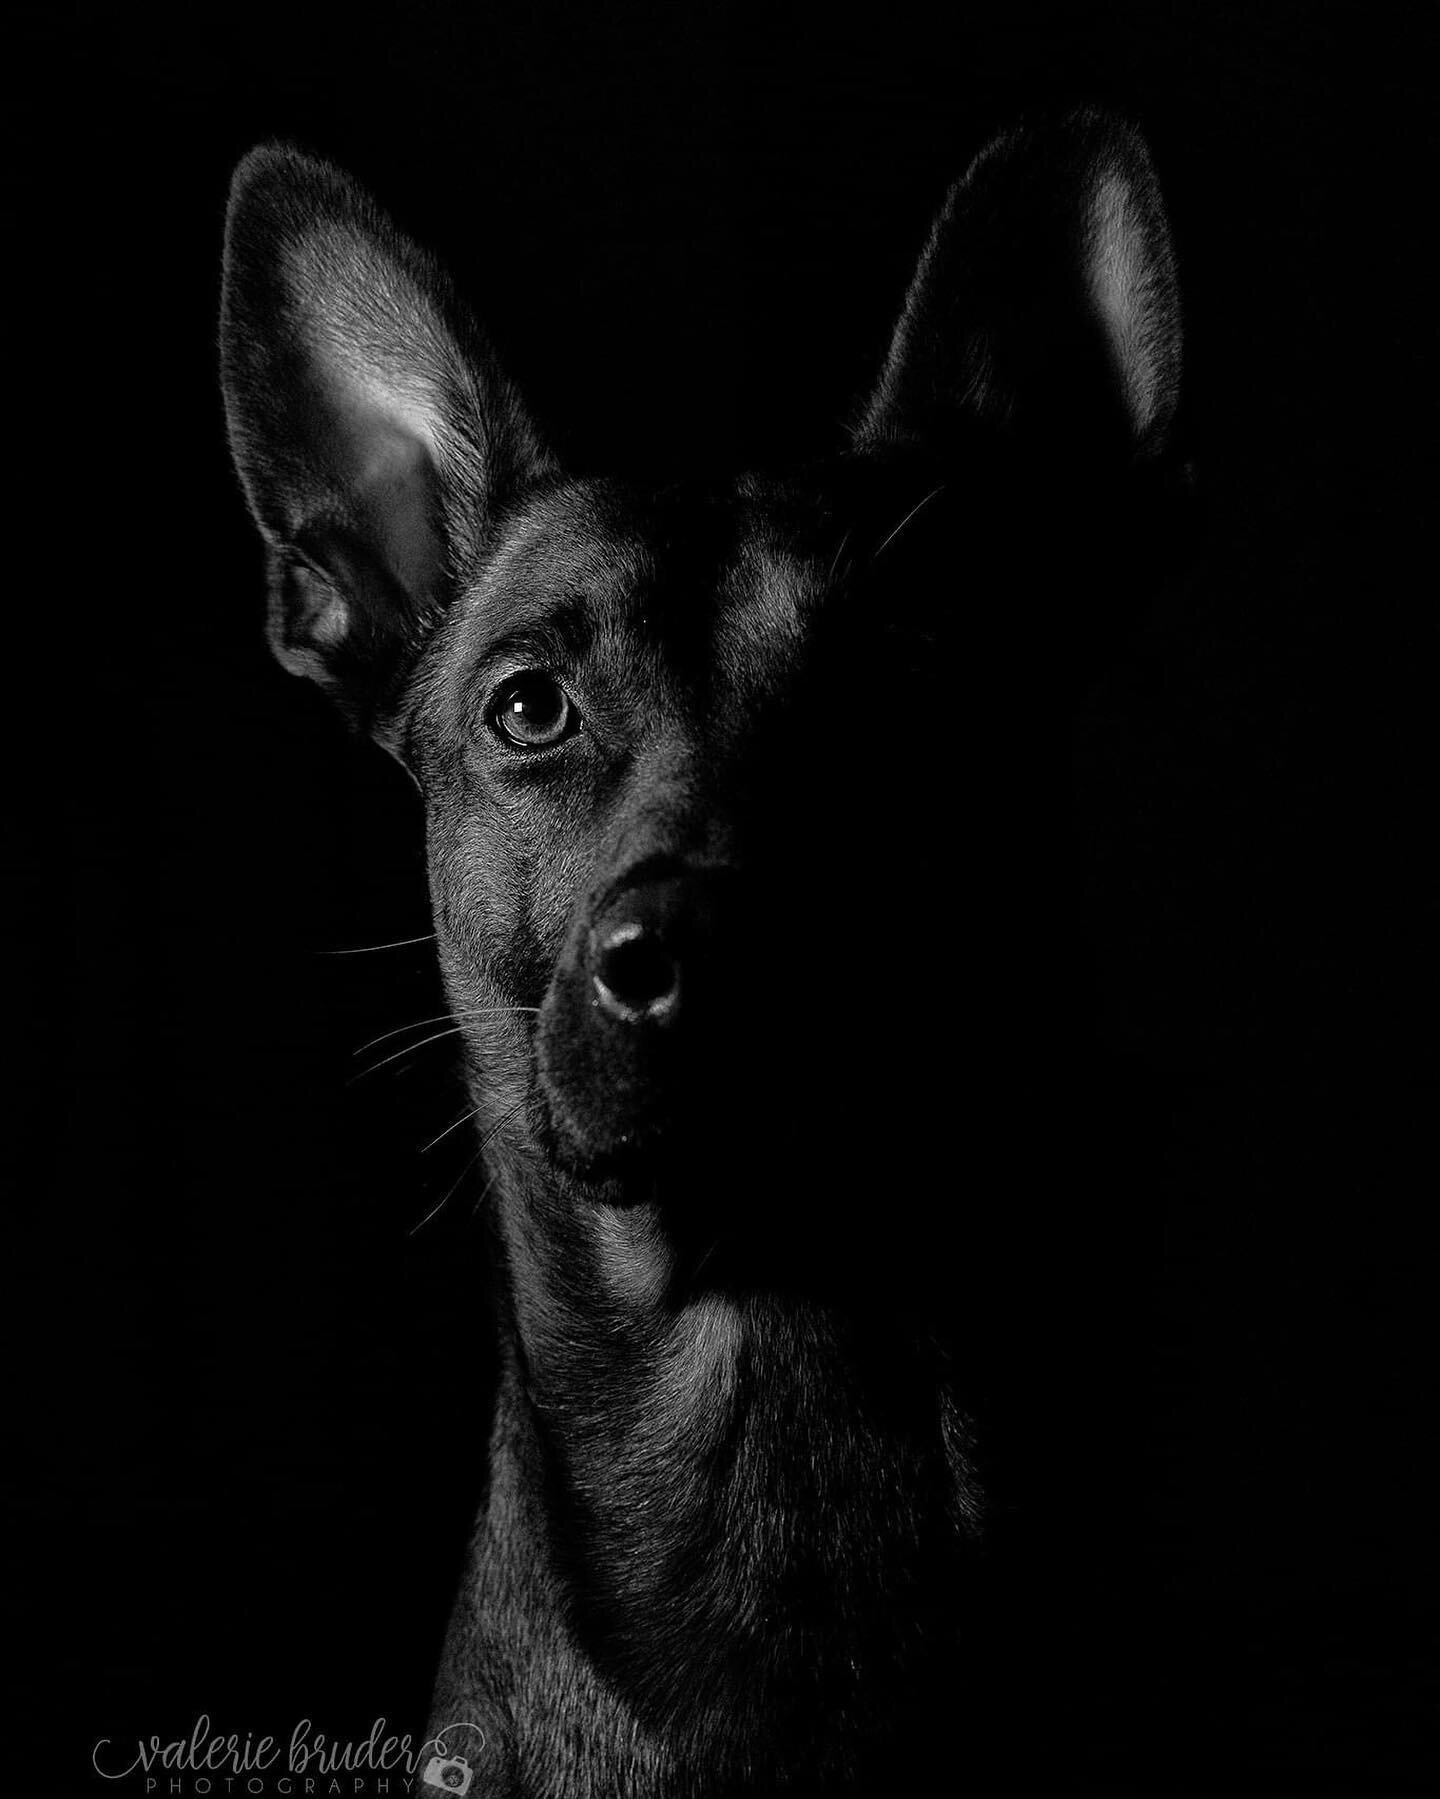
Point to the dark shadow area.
(249, 1359)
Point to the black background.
(245, 1387)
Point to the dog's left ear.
(1045, 303)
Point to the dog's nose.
(635, 953)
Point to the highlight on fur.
(1046, 298)
(372, 428)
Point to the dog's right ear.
(373, 431)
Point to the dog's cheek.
(504, 876)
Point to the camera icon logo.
(450, 1773)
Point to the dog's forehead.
(683, 554)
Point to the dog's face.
(659, 737)
(719, 781)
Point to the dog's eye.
(533, 710)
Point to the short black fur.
(742, 1498)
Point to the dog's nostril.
(635, 975)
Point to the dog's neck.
(744, 1482)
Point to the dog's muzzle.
(631, 1008)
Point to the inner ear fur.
(375, 435)
(1045, 303)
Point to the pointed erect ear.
(374, 433)
(1045, 302)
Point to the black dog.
(764, 1002)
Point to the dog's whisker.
(464, 1118)
(444, 1199)
(451, 1190)
(455, 1030)
(483, 1196)
(918, 507)
(370, 949)
(439, 1018)
(844, 544)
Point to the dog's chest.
(765, 1494)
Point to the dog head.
(733, 791)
